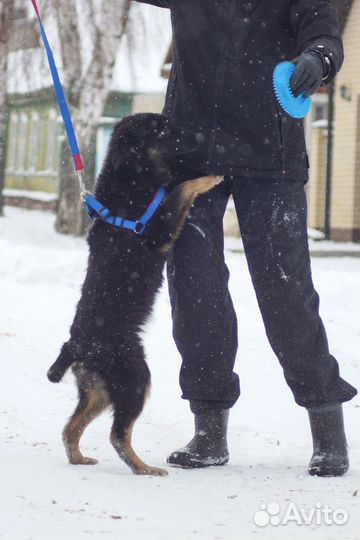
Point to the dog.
(124, 273)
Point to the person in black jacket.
(224, 55)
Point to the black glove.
(309, 74)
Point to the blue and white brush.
(297, 107)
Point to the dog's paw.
(89, 461)
(54, 375)
(151, 471)
(84, 461)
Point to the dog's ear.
(126, 151)
(119, 154)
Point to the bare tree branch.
(68, 27)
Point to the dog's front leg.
(169, 221)
(200, 185)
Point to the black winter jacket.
(220, 85)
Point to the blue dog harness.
(96, 210)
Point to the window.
(320, 111)
(21, 161)
(34, 148)
(51, 153)
(13, 137)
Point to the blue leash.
(95, 209)
(63, 106)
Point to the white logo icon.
(267, 514)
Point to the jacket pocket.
(292, 140)
(280, 128)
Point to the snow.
(42, 196)
(45, 498)
(315, 234)
(316, 246)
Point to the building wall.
(345, 206)
(153, 103)
(316, 124)
(316, 188)
(32, 150)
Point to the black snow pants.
(272, 216)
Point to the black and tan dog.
(123, 276)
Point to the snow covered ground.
(42, 497)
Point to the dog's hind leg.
(121, 434)
(128, 404)
(92, 402)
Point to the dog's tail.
(61, 364)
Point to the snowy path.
(45, 498)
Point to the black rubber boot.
(209, 444)
(330, 456)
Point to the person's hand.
(308, 75)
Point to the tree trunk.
(6, 21)
(71, 216)
(87, 96)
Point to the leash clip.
(81, 178)
(139, 228)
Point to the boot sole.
(193, 464)
(328, 472)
